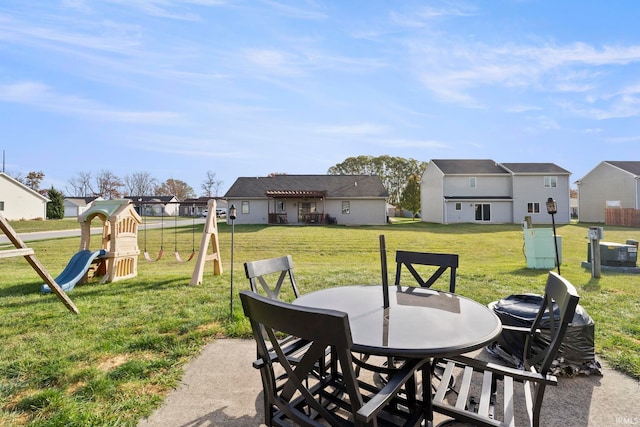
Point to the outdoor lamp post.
(232, 217)
(552, 209)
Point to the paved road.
(45, 235)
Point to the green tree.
(55, 208)
(392, 171)
(410, 199)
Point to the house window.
(473, 182)
(533, 207)
(1, 206)
(346, 208)
(282, 206)
(244, 209)
(550, 181)
(483, 212)
(458, 206)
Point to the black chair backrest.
(259, 271)
(322, 328)
(440, 260)
(563, 294)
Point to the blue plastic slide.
(77, 267)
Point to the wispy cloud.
(411, 143)
(522, 108)
(355, 129)
(424, 16)
(39, 96)
(620, 104)
(106, 36)
(185, 145)
(453, 71)
(623, 140)
(171, 9)
(296, 11)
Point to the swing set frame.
(209, 237)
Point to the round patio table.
(418, 323)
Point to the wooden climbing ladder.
(23, 250)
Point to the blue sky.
(247, 88)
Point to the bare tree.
(108, 185)
(139, 184)
(174, 187)
(80, 185)
(211, 185)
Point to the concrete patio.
(220, 388)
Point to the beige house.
(611, 184)
(17, 201)
(309, 199)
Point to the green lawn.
(116, 361)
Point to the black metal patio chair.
(336, 398)
(262, 271)
(476, 400)
(442, 261)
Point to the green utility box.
(539, 249)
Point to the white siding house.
(155, 205)
(533, 185)
(609, 184)
(484, 191)
(75, 206)
(17, 201)
(309, 199)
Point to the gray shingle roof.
(488, 166)
(629, 166)
(466, 167)
(533, 168)
(352, 186)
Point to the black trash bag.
(577, 351)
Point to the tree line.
(108, 185)
(400, 177)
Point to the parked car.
(221, 213)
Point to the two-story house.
(611, 184)
(485, 191)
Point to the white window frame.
(458, 206)
(533, 207)
(473, 182)
(244, 207)
(550, 182)
(346, 207)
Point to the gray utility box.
(616, 254)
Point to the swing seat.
(148, 257)
(180, 260)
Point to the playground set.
(117, 257)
